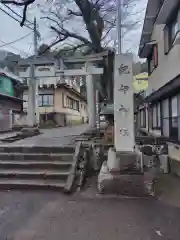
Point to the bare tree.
(96, 19)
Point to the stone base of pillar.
(30, 131)
(124, 177)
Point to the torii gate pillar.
(91, 100)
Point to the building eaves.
(157, 12)
(5, 96)
(151, 14)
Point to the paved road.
(52, 216)
(38, 215)
(55, 136)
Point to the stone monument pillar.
(123, 103)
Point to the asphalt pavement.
(54, 216)
(48, 215)
(54, 137)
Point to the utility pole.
(35, 80)
(33, 110)
(119, 26)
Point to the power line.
(14, 18)
(16, 13)
(17, 40)
(14, 48)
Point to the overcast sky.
(11, 30)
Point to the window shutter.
(166, 39)
(155, 49)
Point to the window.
(165, 117)
(171, 32)
(143, 118)
(63, 103)
(73, 104)
(46, 100)
(156, 116)
(173, 118)
(153, 59)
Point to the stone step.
(36, 156)
(6, 183)
(21, 164)
(33, 174)
(36, 149)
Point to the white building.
(59, 97)
(160, 45)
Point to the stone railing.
(79, 168)
(151, 145)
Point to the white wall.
(168, 65)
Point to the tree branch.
(78, 14)
(52, 44)
(25, 3)
(65, 33)
(53, 20)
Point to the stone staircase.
(34, 167)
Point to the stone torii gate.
(123, 95)
(89, 71)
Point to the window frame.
(172, 36)
(73, 104)
(173, 131)
(143, 117)
(169, 40)
(157, 119)
(42, 101)
(153, 56)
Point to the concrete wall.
(20, 120)
(174, 155)
(5, 118)
(168, 65)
